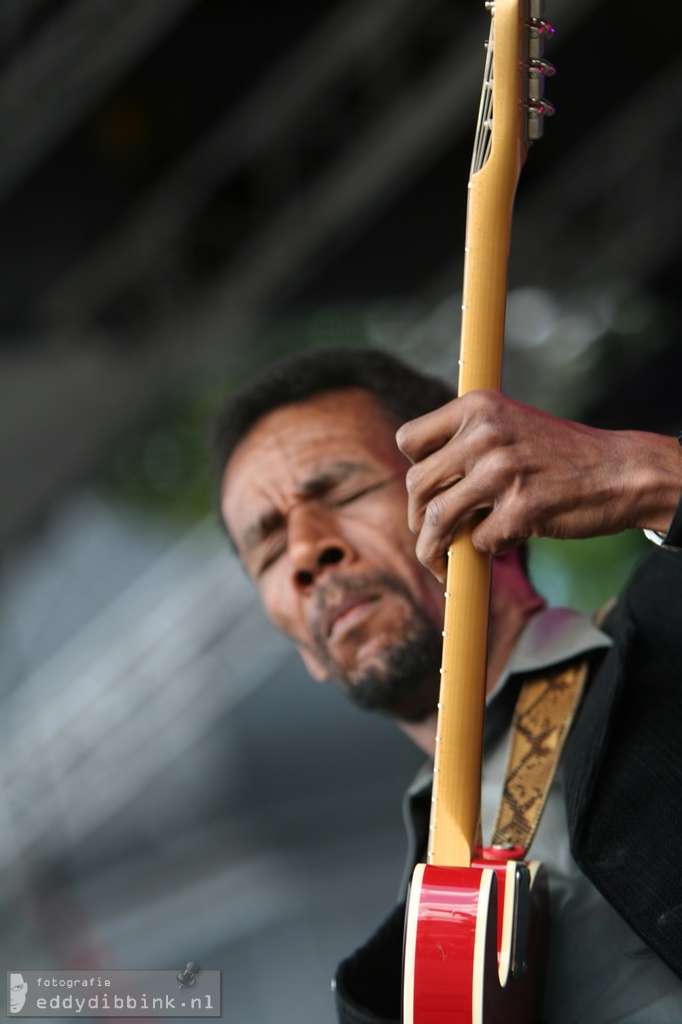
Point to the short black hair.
(400, 391)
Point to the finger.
(444, 515)
(494, 535)
(420, 437)
(426, 480)
(455, 482)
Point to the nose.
(315, 543)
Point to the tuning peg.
(539, 31)
(538, 71)
(542, 28)
(542, 67)
(538, 110)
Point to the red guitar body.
(474, 942)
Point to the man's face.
(314, 498)
(17, 989)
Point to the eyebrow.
(313, 487)
(332, 476)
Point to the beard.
(406, 683)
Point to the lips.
(342, 615)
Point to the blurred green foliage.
(584, 574)
(164, 469)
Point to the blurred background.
(188, 189)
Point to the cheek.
(396, 547)
(281, 606)
(427, 590)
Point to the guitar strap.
(544, 712)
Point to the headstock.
(513, 105)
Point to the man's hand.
(529, 474)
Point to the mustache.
(340, 588)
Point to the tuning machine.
(538, 69)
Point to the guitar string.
(483, 140)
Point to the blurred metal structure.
(125, 698)
(81, 51)
(360, 114)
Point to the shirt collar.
(550, 637)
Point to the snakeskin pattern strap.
(543, 715)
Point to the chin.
(376, 666)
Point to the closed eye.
(339, 499)
(346, 499)
(269, 556)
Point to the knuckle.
(499, 466)
(401, 437)
(503, 460)
(484, 397)
(484, 402)
(435, 511)
(414, 480)
(508, 530)
(425, 552)
(490, 415)
(404, 437)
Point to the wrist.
(671, 537)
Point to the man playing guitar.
(314, 497)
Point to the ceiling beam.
(64, 72)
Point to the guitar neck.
(499, 152)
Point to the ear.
(315, 668)
(511, 582)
